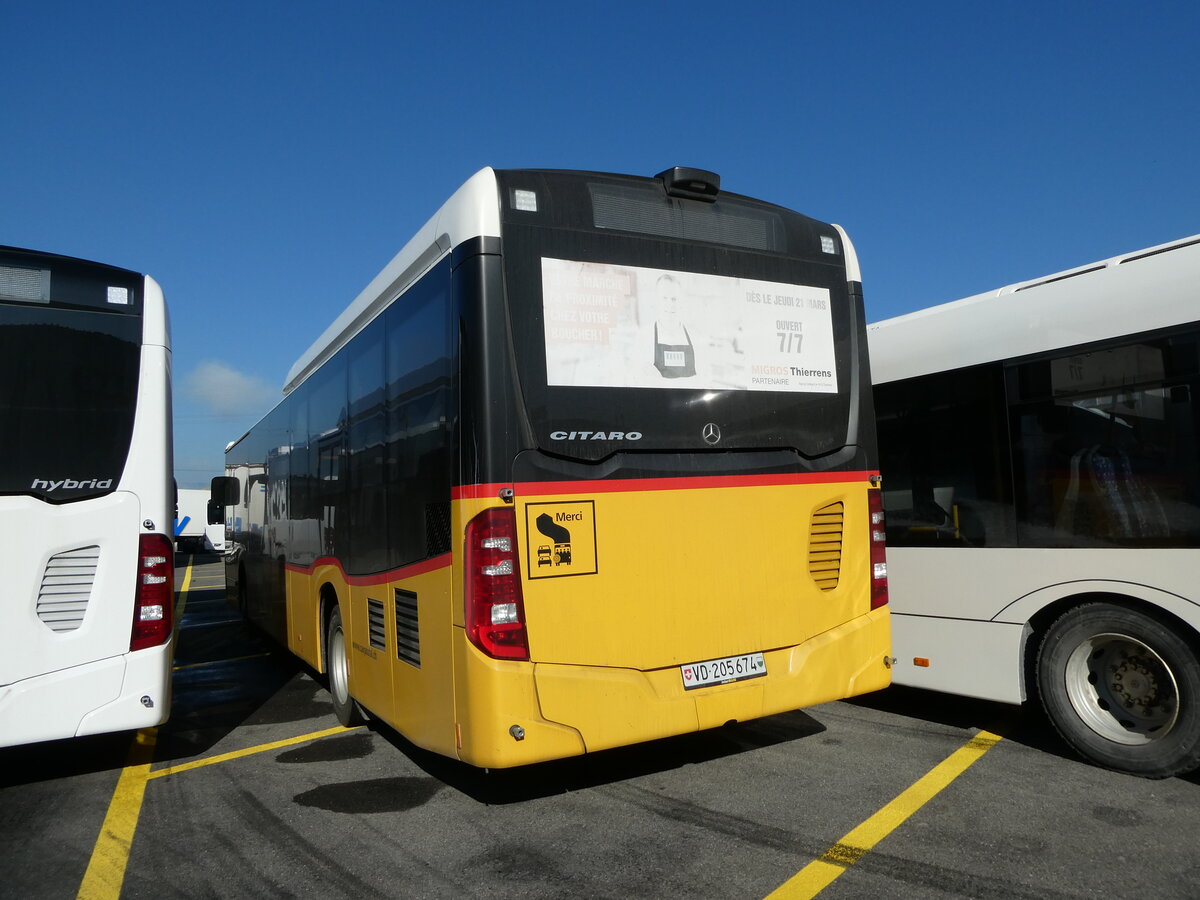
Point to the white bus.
(86, 499)
(193, 532)
(1038, 445)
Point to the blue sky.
(263, 160)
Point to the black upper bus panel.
(624, 203)
(75, 282)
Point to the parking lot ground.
(254, 790)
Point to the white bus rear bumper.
(94, 698)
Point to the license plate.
(723, 671)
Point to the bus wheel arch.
(1039, 610)
(327, 603)
(336, 659)
(1119, 680)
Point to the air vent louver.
(67, 587)
(408, 634)
(825, 545)
(375, 624)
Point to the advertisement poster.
(627, 326)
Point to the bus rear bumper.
(612, 707)
(145, 699)
(94, 698)
(567, 710)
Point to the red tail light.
(154, 600)
(879, 583)
(495, 611)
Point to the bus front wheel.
(344, 707)
(1123, 689)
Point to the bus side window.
(944, 466)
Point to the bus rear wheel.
(1123, 689)
(344, 707)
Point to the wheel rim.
(337, 666)
(1121, 689)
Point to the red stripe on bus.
(680, 483)
(421, 568)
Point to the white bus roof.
(1135, 292)
(472, 211)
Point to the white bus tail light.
(879, 583)
(495, 611)
(154, 599)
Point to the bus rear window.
(70, 388)
(723, 353)
(631, 326)
(688, 325)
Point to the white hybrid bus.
(86, 499)
(1038, 445)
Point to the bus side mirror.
(223, 491)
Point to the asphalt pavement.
(252, 789)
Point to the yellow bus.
(590, 462)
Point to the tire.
(337, 666)
(1123, 689)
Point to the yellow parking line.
(249, 751)
(215, 662)
(106, 869)
(859, 841)
(183, 594)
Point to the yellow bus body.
(659, 574)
